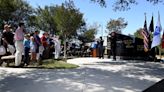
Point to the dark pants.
(5, 45)
(26, 55)
(152, 54)
(101, 52)
(114, 53)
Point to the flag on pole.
(151, 29)
(156, 36)
(163, 40)
(145, 35)
(151, 26)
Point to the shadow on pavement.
(129, 79)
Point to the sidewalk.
(87, 60)
(94, 75)
(91, 60)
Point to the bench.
(7, 59)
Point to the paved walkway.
(89, 60)
(94, 75)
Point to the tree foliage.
(45, 18)
(116, 25)
(68, 19)
(122, 5)
(14, 10)
(101, 2)
(138, 34)
(88, 35)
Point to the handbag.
(11, 49)
(2, 50)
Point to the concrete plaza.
(93, 75)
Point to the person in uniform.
(113, 45)
(101, 48)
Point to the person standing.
(101, 48)
(26, 44)
(19, 37)
(7, 37)
(38, 43)
(57, 47)
(113, 45)
(48, 45)
(33, 48)
(45, 45)
(44, 40)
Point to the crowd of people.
(29, 46)
(32, 47)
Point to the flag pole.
(151, 38)
(161, 47)
(160, 51)
(157, 37)
(145, 15)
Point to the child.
(26, 44)
(33, 48)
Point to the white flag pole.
(160, 49)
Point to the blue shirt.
(26, 43)
(94, 45)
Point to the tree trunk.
(65, 48)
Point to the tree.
(45, 18)
(116, 25)
(88, 35)
(123, 5)
(101, 2)
(69, 20)
(14, 11)
(138, 34)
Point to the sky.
(94, 13)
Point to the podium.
(94, 52)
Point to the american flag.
(145, 35)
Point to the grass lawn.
(50, 64)
(54, 64)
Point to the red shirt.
(44, 41)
